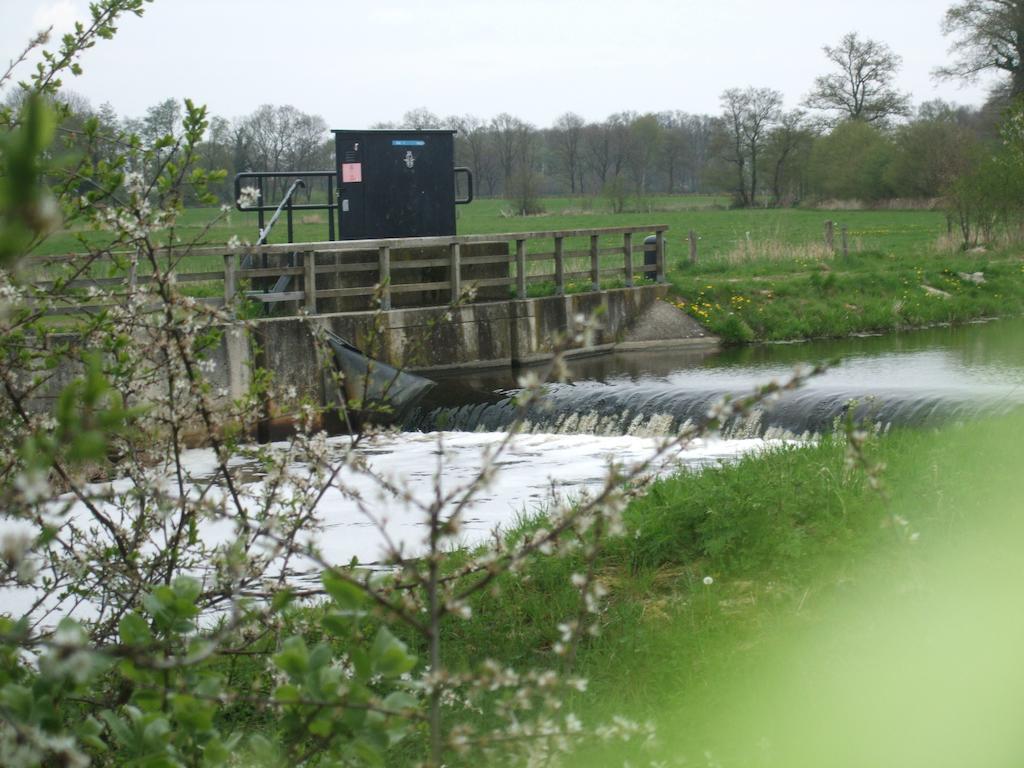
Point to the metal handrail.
(265, 232)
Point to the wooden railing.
(450, 269)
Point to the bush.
(525, 190)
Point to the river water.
(619, 408)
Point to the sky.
(357, 64)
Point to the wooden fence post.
(520, 269)
(829, 234)
(843, 238)
(384, 275)
(693, 247)
(559, 266)
(627, 253)
(230, 279)
(309, 282)
(659, 256)
(595, 264)
(455, 271)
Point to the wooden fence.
(456, 267)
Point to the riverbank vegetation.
(728, 579)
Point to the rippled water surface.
(921, 377)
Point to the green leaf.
(389, 655)
(338, 624)
(293, 658)
(215, 752)
(368, 753)
(187, 588)
(361, 663)
(320, 727)
(287, 694)
(399, 701)
(134, 630)
(347, 595)
(282, 599)
(320, 657)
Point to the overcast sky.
(360, 63)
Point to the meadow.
(760, 274)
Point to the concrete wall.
(499, 333)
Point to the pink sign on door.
(351, 173)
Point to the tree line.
(854, 136)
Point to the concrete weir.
(499, 333)
(429, 303)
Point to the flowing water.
(619, 407)
(921, 378)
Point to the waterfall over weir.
(650, 409)
(923, 379)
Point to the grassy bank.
(771, 299)
(793, 541)
(758, 606)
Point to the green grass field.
(760, 274)
(722, 231)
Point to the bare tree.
(163, 119)
(505, 129)
(567, 143)
(748, 114)
(862, 88)
(420, 119)
(309, 146)
(645, 140)
(281, 139)
(472, 142)
(674, 145)
(988, 36)
(699, 132)
(597, 148)
(790, 139)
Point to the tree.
(645, 141)
(567, 141)
(988, 36)
(472, 140)
(786, 151)
(281, 138)
(862, 89)
(507, 135)
(932, 151)
(748, 114)
(836, 176)
(420, 119)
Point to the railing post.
(693, 247)
(230, 279)
(521, 269)
(559, 266)
(659, 256)
(627, 252)
(829, 229)
(309, 281)
(384, 275)
(455, 272)
(332, 205)
(595, 264)
(846, 244)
